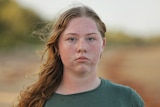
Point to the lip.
(82, 58)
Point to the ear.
(103, 43)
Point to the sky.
(138, 17)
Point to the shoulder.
(123, 92)
(118, 88)
(115, 86)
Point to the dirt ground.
(137, 67)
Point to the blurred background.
(131, 57)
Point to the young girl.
(68, 76)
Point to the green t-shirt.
(107, 94)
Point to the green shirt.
(107, 94)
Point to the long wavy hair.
(51, 70)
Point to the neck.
(74, 84)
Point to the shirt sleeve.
(136, 100)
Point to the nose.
(81, 46)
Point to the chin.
(83, 70)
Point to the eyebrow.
(77, 34)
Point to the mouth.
(82, 59)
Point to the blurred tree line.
(119, 38)
(18, 23)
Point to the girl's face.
(80, 46)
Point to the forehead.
(82, 20)
(81, 24)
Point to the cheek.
(63, 55)
(96, 52)
(97, 49)
(66, 52)
(62, 51)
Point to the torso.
(107, 94)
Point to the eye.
(90, 38)
(71, 39)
